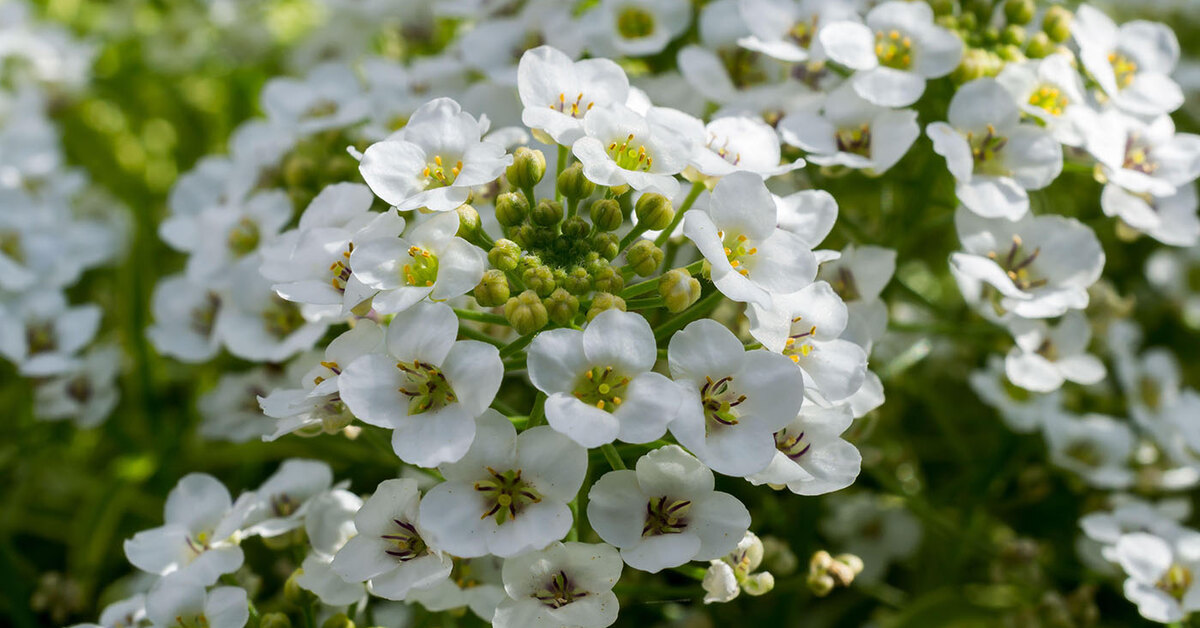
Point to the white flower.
(199, 535)
(317, 405)
(811, 457)
(1023, 411)
(1035, 267)
(1152, 381)
(434, 161)
(727, 74)
(328, 97)
(727, 576)
(665, 513)
(622, 147)
(428, 388)
(1051, 91)
(877, 529)
(850, 131)
(858, 276)
(312, 263)
(317, 576)
(256, 324)
(563, 585)
(508, 494)
(494, 46)
(179, 602)
(430, 261)
(185, 319)
(1161, 574)
(1095, 446)
(599, 381)
(127, 613)
(1169, 219)
(1045, 356)
(475, 584)
(280, 504)
(637, 28)
(1132, 63)
(806, 326)
(391, 550)
(329, 524)
(788, 29)
(42, 248)
(221, 235)
(751, 257)
(894, 53)
(734, 400)
(42, 335)
(85, 394)
(993, 156)
(728, 144)
(557, 92)
(1134, 515)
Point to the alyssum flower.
(565, 584)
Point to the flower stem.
(562, 165)
(482, 317)
(698, 310)
(475, 334)
(516, 345)
(612, 456)
(537, 415)
(693, 194)
(651, 284)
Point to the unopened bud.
(842, 574)
(493, 290)
(573, 184)
(608, 279)
(607, 245)
(974, 64)
(293, 593)
(758, 583)
(820, 584)
(606, 214)
(575, 227)
(547, 213)
(1011, 53)
(468, 221)
(274, 620)
(855, 563)
(1039, 46)
(1057, 23)
(1019, 11)
(982, 9)
(1013, 35)
(505, 255)
(540, 279)
(644, 257)
(511, 208)
(526, 313)
(679, 289)
(338, 621)
(604, 301)
(577, 281)
(562, 306)
(942, 7)
(527, 169)
(654, 211)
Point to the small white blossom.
(557, 92)
(623, 147)
(811, 457)
(1045, 356)
(564, 585)
(1095, 446)
(1132, 64)
(1161, 574)
(850, 131)
(179, 602)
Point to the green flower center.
(506, 495)
(40, 337)
(1050, 99)
(195, 621)
(665, 516)
(1083, 452)
(1137, 156)
(1124, 68)
(635, 23)
(856, 140)
(893, 49)
(244, 237)
(10, 246)
(437, 175)
(559, 592)
(404, 543)
(737, 250)
(719, 401)
(630, 155)
(80, 389)
(845, 285)
(320, 109)
(1150, 392)
(985, 150)
(422, 271)
(1176, 581)
(799, 344)
(1018, 265)
(204, 317)
(743, 67)
(791, 444)
(602, 387)
(426, 387)
(282, 317)
(802, 32)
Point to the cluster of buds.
(826, 572)
(989, 47)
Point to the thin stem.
(632, 236)
(698, 310)
(562, 165)
(693, 194)
(612, 456)
(649, 285)
(505, 409)
(482, 317)
(516, 345)
(475, 334)
(537, 415)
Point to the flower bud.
(338, 621)
(527, 169)
(607, 245)
(274, 620)
(573, 184)
(526, 313)
(1013, 35)
(608, 279)
(468, 221)
(547, 213)
(942, 7)
(493, 290)
(981, 8)
(576, 227)
(820, 584)
(577, 281)
(842, 573)
(561, 306)
(758, 583)
(854, 563)
(606, 214)
(974, 64)
(604, 301)
(1019, 11)
(511, 208)
(1039, 46)
(294, 594)
(679, 289)
(504, 255)
(1011, 53)
(1057, 23)
(540, 279)
(644, 257)
(654, 211)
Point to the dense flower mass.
(594, 313)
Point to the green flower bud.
(991, 35)
(573, 184)
(975, 63)
(942, 7)
(511, 208)
(547, 213)
(274, 620)
(299, 170)
(576, 227)
(981, 8)
(1057, 23)
(607, 245)
(1013, 35)
(1010, 53)
(293, 593)
(604, 301)
(606, 214)
(577, 281)
(1019, 11)
(758, 583)
(468, 221)
(493, 289)
(540, 279)
(821, 584)
(948, 22)
(654, 211)
(561, 306)
(968, 22)
(1039, 46)
(679, 289)
(527, 169)
(504, 255)
(644, 257)
(338, 621)
(608, 280)
(528, 261)
(526, 313)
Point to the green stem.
(562, 165)
(475, 334)
(693, 194)
(537, 415)
(516, 345)
(698, 310)
(632, 236)
(482, 317)
(650, 285)
(504, 408)
(612, 456)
